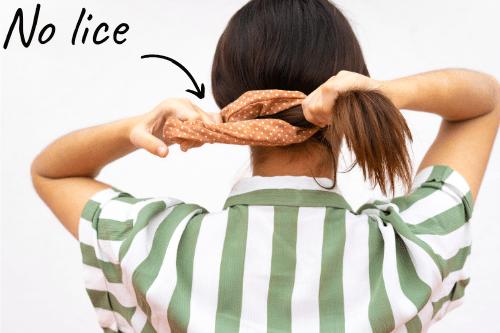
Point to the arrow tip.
(198, 93)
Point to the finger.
(142, 139)
(185, 146)
(309, 100)
(188, 144)
(329, 94)
(158, 125)
(314, 112)
(309, 109)
(205, 117)
(323, 110)
(183, 109)
(315, 119)
(217, 117)
(197, 144)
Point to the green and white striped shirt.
(285, 255)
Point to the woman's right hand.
(318, 106)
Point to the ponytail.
(376, 132)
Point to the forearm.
(454, 94)
(85, 152)
(63, 173)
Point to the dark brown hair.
(299, 45)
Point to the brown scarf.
(239, 125)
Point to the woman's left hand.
(147, 130)
(318, 106)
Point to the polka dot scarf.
(239, 125)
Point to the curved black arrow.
(200, 93)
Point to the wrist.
(119, 133)
(125, 126)
(395, 90)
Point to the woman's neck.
(287, 163)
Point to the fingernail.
(162, 151)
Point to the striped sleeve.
(429, 234)
(125, 242)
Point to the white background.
(50, 90)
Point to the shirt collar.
(286, 191)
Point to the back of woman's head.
(299, 45)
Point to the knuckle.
(193, 117)
(306, 104)
(328, 86)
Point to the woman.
(287, 253)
